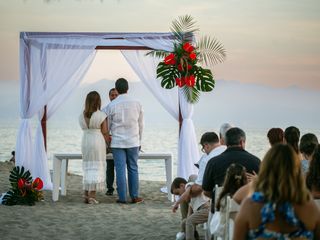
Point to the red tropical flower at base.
(21, 183)
(37, 184)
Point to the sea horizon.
(65, 137)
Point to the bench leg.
(56, 178)
(64, 172)
(168, 163)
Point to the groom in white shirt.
(125, 118)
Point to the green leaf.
(158, 53)
(168, 75)
(183, 28)
(205, 81)
(211, 51)
(9, 198)
(18, 173)
(192, 94)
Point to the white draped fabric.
(52, 65)
(48, 75)
(145, 68)
(188, 146)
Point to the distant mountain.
(254, 105)
(246, 105)
(9, 102)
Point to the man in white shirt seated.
(125, 118)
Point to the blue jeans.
(126, 157)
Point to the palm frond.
(211, 51)
(183, 28)
(158, 53)
(192, 94)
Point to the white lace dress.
(93, 150)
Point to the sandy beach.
(70, 218)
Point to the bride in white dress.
(93, 147)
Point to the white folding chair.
(231, 211)
(217, 191)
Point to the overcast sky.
(273, 42)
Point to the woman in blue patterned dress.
(281, 207)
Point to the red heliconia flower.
(188, 47)
(21, 183)
(190, 80)
(189, 67)
(37, 184)
(180, 81)
(193, 56)
(170, 59)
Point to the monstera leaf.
(205, 81)
(18, 173)
(9, 198)
(23, 190)
(168, 75)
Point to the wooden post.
(44, 126)
(180, 119)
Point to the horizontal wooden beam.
(122, 48)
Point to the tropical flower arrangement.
(181, 67)
(24, 190)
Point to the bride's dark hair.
(93, 103)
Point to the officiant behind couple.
(124, 116)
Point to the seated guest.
(235, 178)
(307, 146)
(198, 208)
(222, 132)
(275, 135)
(281, 206)
(313, 175)
(211, 147)
(216, 167)
(291, 137)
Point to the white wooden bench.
(60, 169)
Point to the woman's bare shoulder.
(308, 213)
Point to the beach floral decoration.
(24, 190)
(181, 67)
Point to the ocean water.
(66, 138)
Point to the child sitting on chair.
(199, 207)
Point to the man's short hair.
(209, 137)
(223, 129)
(111, 90)
(234, 136)
(176, 183)
(122, 85)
